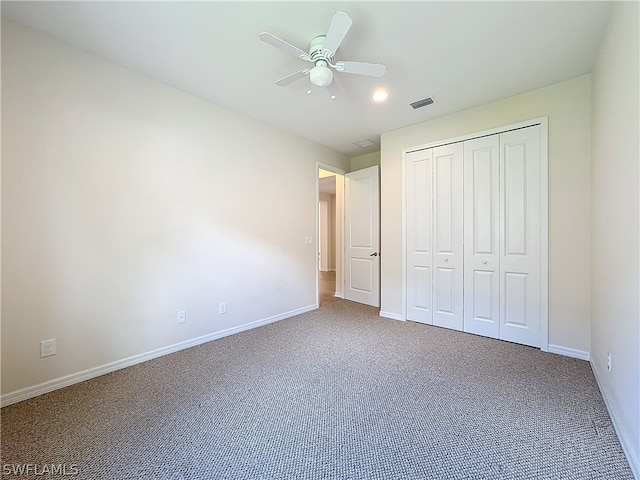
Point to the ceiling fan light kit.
(321, 75)
(322, 49)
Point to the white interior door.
(447, 236)
(362, 236)
(482, 236)
(419, 194)
(520, 259)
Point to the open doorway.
(329, 215)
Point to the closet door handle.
(374, 254)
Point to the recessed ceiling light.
(380, 95)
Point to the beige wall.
(568, 107)
(125, 201)
(365, 161)
(615, 255)
(331, 229)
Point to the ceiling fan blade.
(293, 77)
(286, 47)
(340, 25)
(361, 68)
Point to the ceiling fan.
(321, 53)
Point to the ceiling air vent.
(422, 103)
(365, 142)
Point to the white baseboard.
(630, 450)
(338, 295)
(570, 352)
(392, 316)
(61, 382)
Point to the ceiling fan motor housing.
(316, 51)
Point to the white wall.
(125, 200)
(568, 106)
(616, 224)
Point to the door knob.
(484, 262)
(446, 259)
(374, 254)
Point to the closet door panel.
(481, 236)
(447, 234)
(520, 270)
(445, 291)
(515, 199)
(418, 170)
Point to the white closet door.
(418, 169)
(520, 249)
(482, 236)
(447, 236)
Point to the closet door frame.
(544, 209)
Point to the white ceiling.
(463, 54)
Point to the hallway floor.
(327, 282)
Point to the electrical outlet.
(222, 308)
(609, 361)
(47, 348)
(181, 317)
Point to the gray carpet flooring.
(338, 393)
